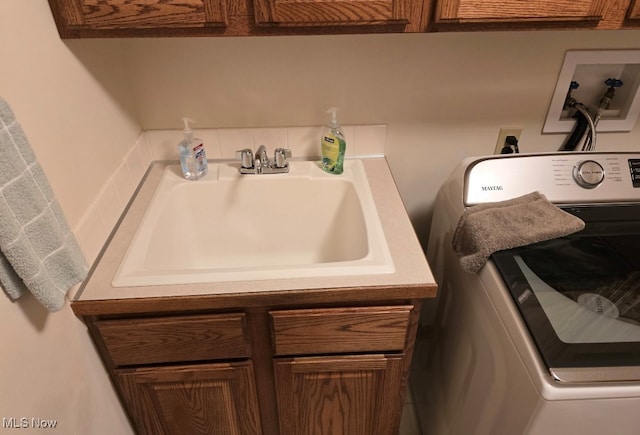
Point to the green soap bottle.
(333, 145)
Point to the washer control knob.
(588, 173)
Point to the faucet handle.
(246, 157)
(280, 157)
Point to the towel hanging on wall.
(38, 251)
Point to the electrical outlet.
(502, 136)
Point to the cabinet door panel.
(138, 14)
(333, 13)
(634, 10)
(152, 13)
(460, 11)
(350, 395)
(201, 399)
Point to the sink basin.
(233, 227)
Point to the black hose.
(578, 132)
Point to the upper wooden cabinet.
(131, 18)
(100, 18)
(634, 10)
(461, 11)
(135, 18)
(533, 14)
(402, 14)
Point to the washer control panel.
(588, 173)
(564, 178)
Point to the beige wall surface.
(443, 96)
(79, 119)
(82, 104)
(76, 107)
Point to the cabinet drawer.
(340, 330)
(174, 339)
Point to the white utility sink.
(233, 227)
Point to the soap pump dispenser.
(333, 145)
(193, 158)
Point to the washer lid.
(580, 295)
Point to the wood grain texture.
(634, 10)
(174, 339)
(162, 18)
(343, 390)
(337, 395)
(340, 330)
(518, 10)
(206, 399)
(300, 13)
(107, 14)
(477, 15)
(177, 18)
(262, 357)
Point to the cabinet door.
(634, 10)
(348, 395)
(201, 399)
(403, 14)
(489, 11)
(99, 17)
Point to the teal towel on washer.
(38, 251)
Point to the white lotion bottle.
(193, 158)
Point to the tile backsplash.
(98, 221)
(102, 215)
(302, 141)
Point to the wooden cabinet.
(291, 370)
(175, 338)
(344, 392)
(399, 15)
(162, 394)
(339, 395)
(517, 10)
(634, 10)
(103, 18)
(131, 18)
(195, 399)
(533, 14)
(136, 18)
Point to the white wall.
(80, 121)
(443, 96)
(83, 104)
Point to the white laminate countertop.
(411, 267)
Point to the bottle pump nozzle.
(334, 117)
(188, 132)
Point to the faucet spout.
(262, 160)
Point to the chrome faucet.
(260, 164)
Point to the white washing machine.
(544, 339)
